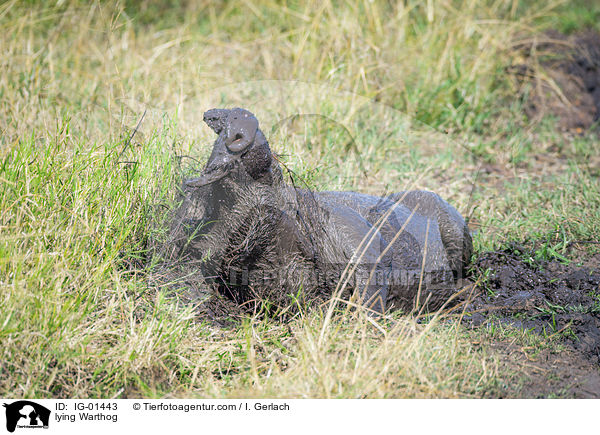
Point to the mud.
(547, 297)
(543, 373)
(560, 76)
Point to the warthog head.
(238, 134)
(240, 158)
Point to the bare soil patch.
(561, 74)
(555, 299)
(546, 373)
(543, 296)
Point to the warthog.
(256, 237)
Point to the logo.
(26, 414)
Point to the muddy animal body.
(254, 236)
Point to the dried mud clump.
(560, 75)
(544, 296)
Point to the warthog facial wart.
(256, 237)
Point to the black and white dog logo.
(26, 414)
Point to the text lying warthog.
(254, 237)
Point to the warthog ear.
(241, 128)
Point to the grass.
(75, 323)
(356, 95)
(574, 16)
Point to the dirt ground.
(560, 75)
(545, 373)
(557, 300)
